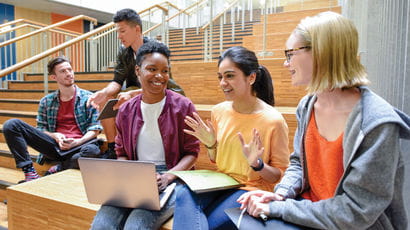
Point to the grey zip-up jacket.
(370, 192)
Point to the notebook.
(130, 184)
(243, 221)
(108, 111)
(200, 181)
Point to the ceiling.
(60, 8)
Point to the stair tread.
(10, 176)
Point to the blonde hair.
(334, 43)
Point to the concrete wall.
(384, 27)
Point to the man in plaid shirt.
(66, 127)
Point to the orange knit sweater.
(324, 163)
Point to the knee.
(90, 150)
(10, 125)
(182, 192)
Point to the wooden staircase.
(198, 79)
(193, 50)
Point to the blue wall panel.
(7, 53)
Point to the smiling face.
(128, 34)
(153, 75)
(63, 74)
(300, 65)
(233, 82)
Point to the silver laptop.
(130, 184)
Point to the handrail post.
(149, 21)
(250, 10)
(45, 74)
(233, 23)
(93, 52)
(211, 29)
(206, 45)
(221, 29)
(183, 29)
(243, 14)
(163, 28)
(197, 18)
(265, 18)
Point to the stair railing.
(208, 29)
(42, 36)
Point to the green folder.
(200, 181)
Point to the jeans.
(206, 210)
(19, 135)
(111, 217)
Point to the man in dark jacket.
(129, 29)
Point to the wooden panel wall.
(203, 86)
(76, 26)
(30, 46)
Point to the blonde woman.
(346, 170)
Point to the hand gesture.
(163, 180)
(96, 99)
(257, 202)
(58, 137)
(204, 132)
(122, 97)
(254, 149)
(69, 143)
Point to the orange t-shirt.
(324, 161)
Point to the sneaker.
(109, 154)
(53, 169)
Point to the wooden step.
(273, 41)
(192, 30)
(226, 32)
(52, 85)
(199, 46)
(19, 104)
(8, 178)
(215, 35)
(297, 15)
(21, 94)
(275, 27)
(104, 75)
(310, 4)
(200, 41)
(28, 117)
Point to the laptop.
(130, 184)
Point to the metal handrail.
(62, 46)
(71, 33)
(185, 10)
(50, 51)
(172, 17)
(8, 42)
(11, 23)
(152, 7)
(219, 15)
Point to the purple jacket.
(171, 123)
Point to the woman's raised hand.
(204, 132)
(254, 149)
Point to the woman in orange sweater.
(246, 137)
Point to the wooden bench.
(59, 201)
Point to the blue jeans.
(111, 217)
(19, 135)
(206, 210)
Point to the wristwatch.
(260, 165)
